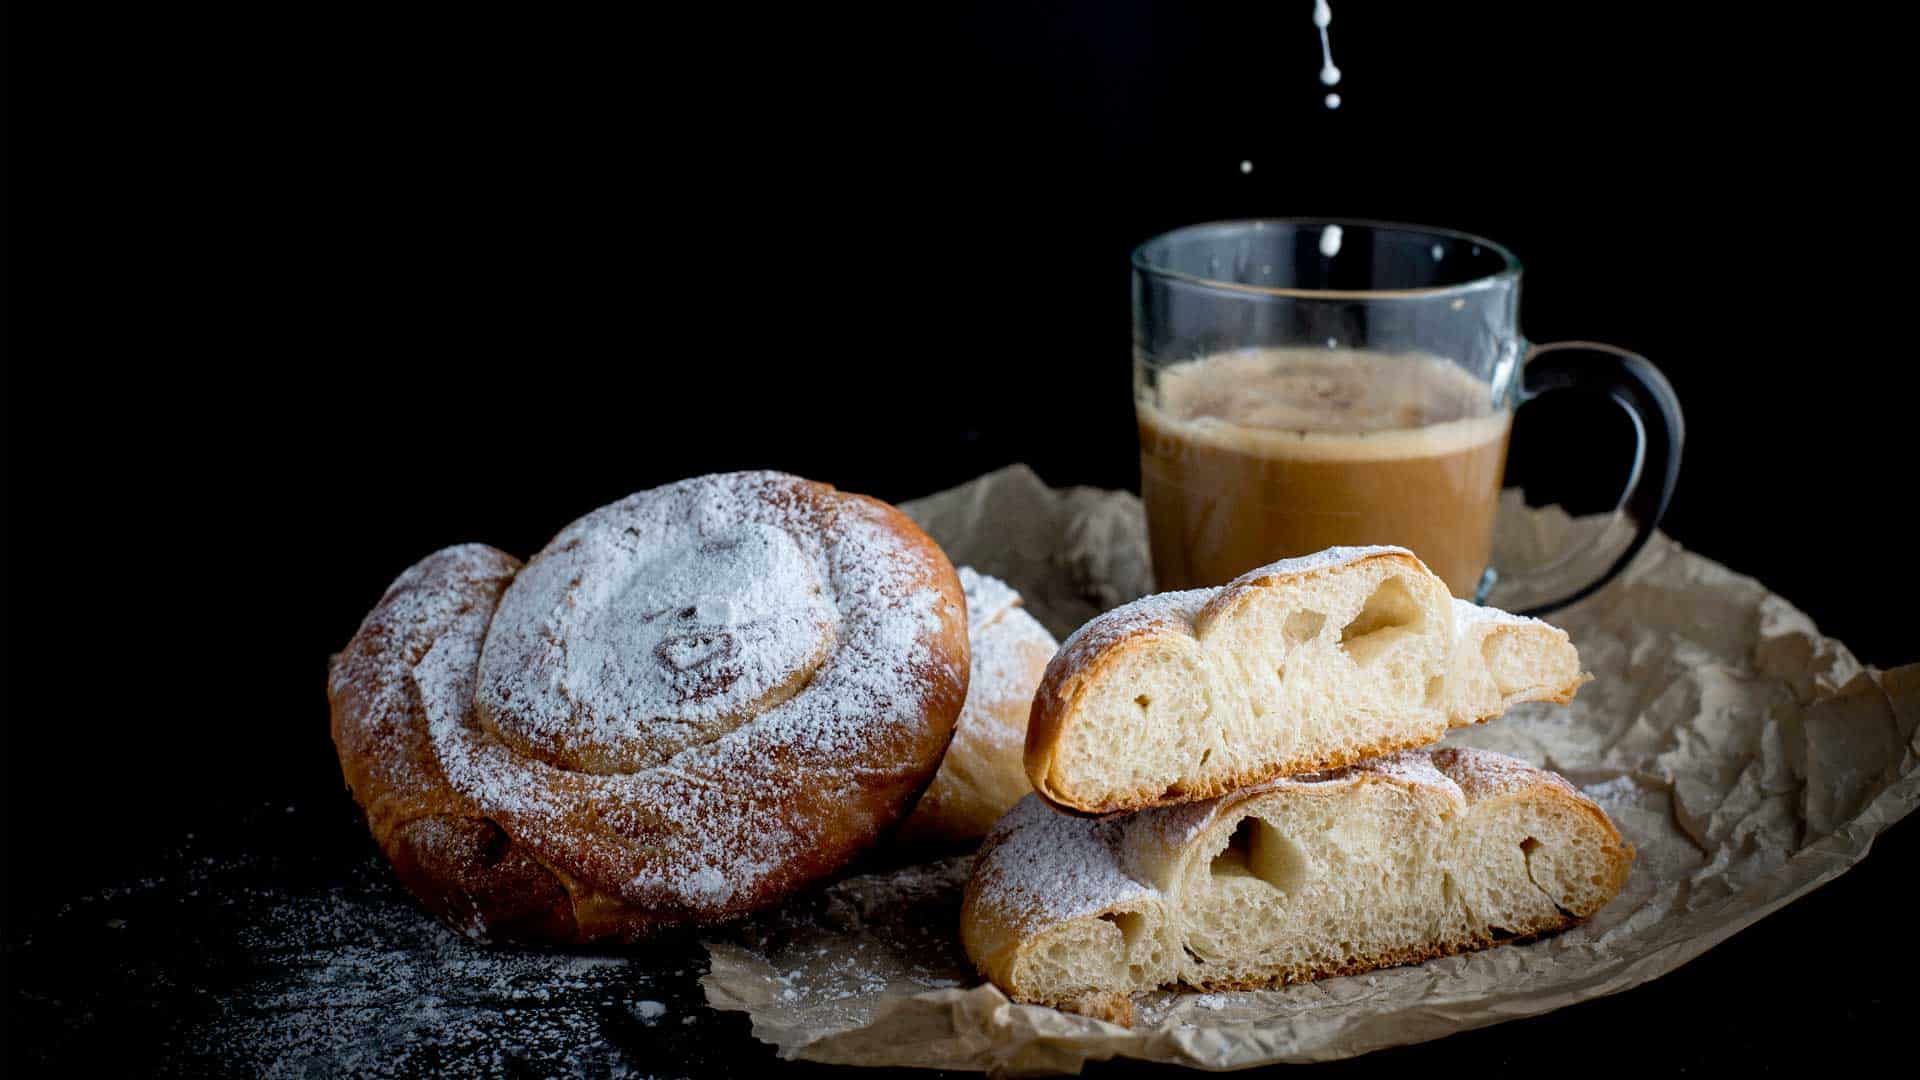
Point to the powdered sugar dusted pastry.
(692, 703)
(1393, 861)
(1307, 664)
(982, 775)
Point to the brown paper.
(1747, 758)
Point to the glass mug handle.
(1639, 388)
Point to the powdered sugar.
(721, 822)
(987, 597)
(1414, 768)
(1039, 867)
(1485, 774)
(634, 636)
(372, 682)
(1173, 611)
(1177, 611)
(829, 955)
(266, 949)
(1319, 560)
(1004, 639)
(1466, 614)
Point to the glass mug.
(1301, 384)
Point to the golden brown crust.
(1112, 1008)
(584, 859)
(1389, 958)
(471, 875)
(1562, 696)
(462, 867)
(378, 730)
(1528, 782)
(1071, 672)
(1118, 1008)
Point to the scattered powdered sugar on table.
(904, 924)
(268, 965)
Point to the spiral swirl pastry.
(689, 705)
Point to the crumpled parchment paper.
(1746, 757)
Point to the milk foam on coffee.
(1259, 454)
(1326, 403)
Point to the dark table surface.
(272, 940)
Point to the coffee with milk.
(1260, 454)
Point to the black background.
(315, 291)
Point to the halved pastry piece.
(1415, 855)
(1307, 664)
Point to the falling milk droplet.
(1246, 167)
(1329, 75)
(1330, 241)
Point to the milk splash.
(1330, 238)
(1329, 75)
